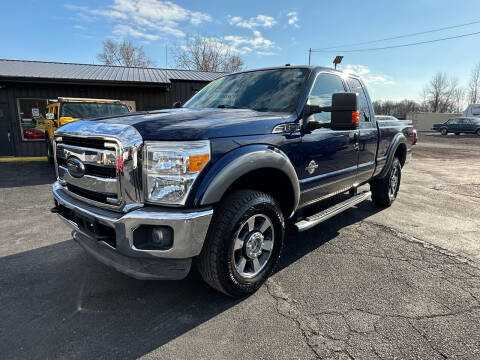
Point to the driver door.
(329, 157)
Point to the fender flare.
(239, 162)
(396, 141)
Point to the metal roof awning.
(38, 70)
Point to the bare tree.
(207, 54)
(443, 94)
(473, 95)
(124, 54)
(398, 109)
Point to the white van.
(472, 110)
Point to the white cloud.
(260, 20)
(79, 27)
(266, 53)
(293, 19)
(126, 30)
(243, 44)
(147, 19)
(366, 74)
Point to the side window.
(453, 122)
(356, 86)
(324, 87)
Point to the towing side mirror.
(176, 105)
(344, 111)
(345, 115)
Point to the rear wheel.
(243, 243)
(478, 132)
(444, 131)
(384, 191)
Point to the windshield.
(90, 109)
(265, 90)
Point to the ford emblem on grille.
(76, 167)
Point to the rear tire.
(385, 190)
(444, 131)
(243, 243)
(478, 132)
(49, 149)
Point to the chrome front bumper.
(189, 232)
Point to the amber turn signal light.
(355, 117)
(197, 162)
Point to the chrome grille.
(111, 177)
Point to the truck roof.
(310, 67)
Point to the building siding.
(145, 97)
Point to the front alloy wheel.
(444, 131)
(253, 245)
(243, 244)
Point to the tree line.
(442, 94)
(196, 53)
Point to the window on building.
(31, 114)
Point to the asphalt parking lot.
(402, 283)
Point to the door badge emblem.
(312, 166)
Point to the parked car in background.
(386, 118)
(459, 126)
(65, 110)
(472, 110)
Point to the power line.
(398, 46)
(401, 36)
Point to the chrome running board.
(323, 215)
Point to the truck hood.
(177, 124)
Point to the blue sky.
(265, 33)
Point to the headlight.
(171, 169)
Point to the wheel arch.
(255, 167)
(399, 149)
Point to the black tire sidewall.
(444, 131)
(216, 262)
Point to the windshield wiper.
(224, 106)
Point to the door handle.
(355, 141)
(8, 135)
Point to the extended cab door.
(329, 157)
(368, 132)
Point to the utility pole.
(309, 55)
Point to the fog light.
(148, 237)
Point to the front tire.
(243, 243)
(385, 190)
(444, 131)
(478, 132)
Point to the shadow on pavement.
(17, 174)
(58, 302)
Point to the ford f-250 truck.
(214, 182)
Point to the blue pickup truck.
(213, 182)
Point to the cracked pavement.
(398, 283)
